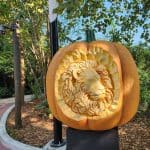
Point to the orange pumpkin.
(93, 86)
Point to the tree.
(18, 78)
(117, 20)
(141, 54)
(32, 17)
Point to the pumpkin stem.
(90, 36)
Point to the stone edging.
(9, 142)
(6, 140)
(12, 99)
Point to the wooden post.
(19, 96)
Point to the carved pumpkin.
(93, 86)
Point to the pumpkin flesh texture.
(87, 88)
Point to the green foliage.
(118, 20)
(6, 67)
(141, 54)
(33, 18)
(6, 62)
(44, 106)
(36, 85)
(6, 55)
(5, 92)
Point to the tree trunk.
(17, 76)
(22, 68)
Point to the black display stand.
(58, 140)
(92, 140)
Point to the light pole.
(58, 140)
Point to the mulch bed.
(135, 135)
(38, 129)
(37, 126)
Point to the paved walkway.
(4, 105)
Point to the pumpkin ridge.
(131, 87)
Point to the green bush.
(5, 92)
(141, 55)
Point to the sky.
(137, 39)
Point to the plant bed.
(135, 135)
(38, 129)
(37, 125)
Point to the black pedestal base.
(92, 140)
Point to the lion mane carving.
(87, 88)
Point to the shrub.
(141, 55)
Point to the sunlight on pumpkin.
(128, 87)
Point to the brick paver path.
(3, 147)
(4, 107)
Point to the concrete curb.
(6, 140)
(12, 144)
(12, 99)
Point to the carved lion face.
(92, 84)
